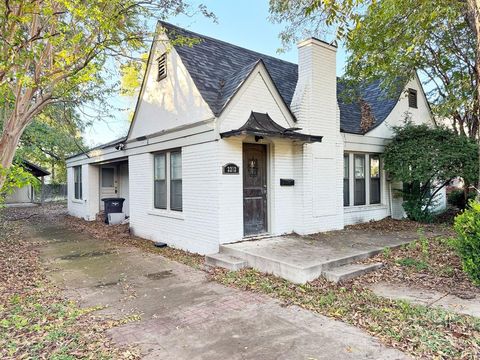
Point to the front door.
(254, 189)
(108, 183)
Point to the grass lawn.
(36, 321)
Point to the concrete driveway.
(185, 316)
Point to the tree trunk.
(12, 131)
(474, 10)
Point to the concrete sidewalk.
(183, 315)
(428, 298)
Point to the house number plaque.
(230, 169)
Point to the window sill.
(78, 201)
(167, 213)
(356, 208)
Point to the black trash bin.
(112, 205)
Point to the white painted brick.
(319, 202)
(197, 229)
(88, 207)
(213, 203)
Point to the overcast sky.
(244, 23)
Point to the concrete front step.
(279, 267)
(350, 271)
(337, 270)
(225, 261)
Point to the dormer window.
(412, 98)
(162, 67)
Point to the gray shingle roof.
(219, 68)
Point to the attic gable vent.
(412, 98)
(162, 67)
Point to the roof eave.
(289, 135)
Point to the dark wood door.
(254, 189)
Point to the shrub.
(425, 159)
(457, 198)
(467, 226)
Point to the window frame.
(77, 181)
(155, 156)
(355, 182)
(174, 185)
(412, 98)
(168, 180)
(367, 183)
(162, 65)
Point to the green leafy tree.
(391, 39)
(51, 138)
(426, 159)
(395, 39)
(53, 52)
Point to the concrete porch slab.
(304, 258)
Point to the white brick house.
(227, 143)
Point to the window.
(160, 181)
(77, 179)
(162, 67)
(346, 180)
(374, 179)
(359, 185)
(412, 98)
(176, 181)
(168, 180)
(366, 185)
(108, 177)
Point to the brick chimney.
(319, 193)
(314, 102)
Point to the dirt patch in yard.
(429, 263)
(390, 225)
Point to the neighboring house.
(26, 194)
(228, 144)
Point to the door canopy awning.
(261, 125)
